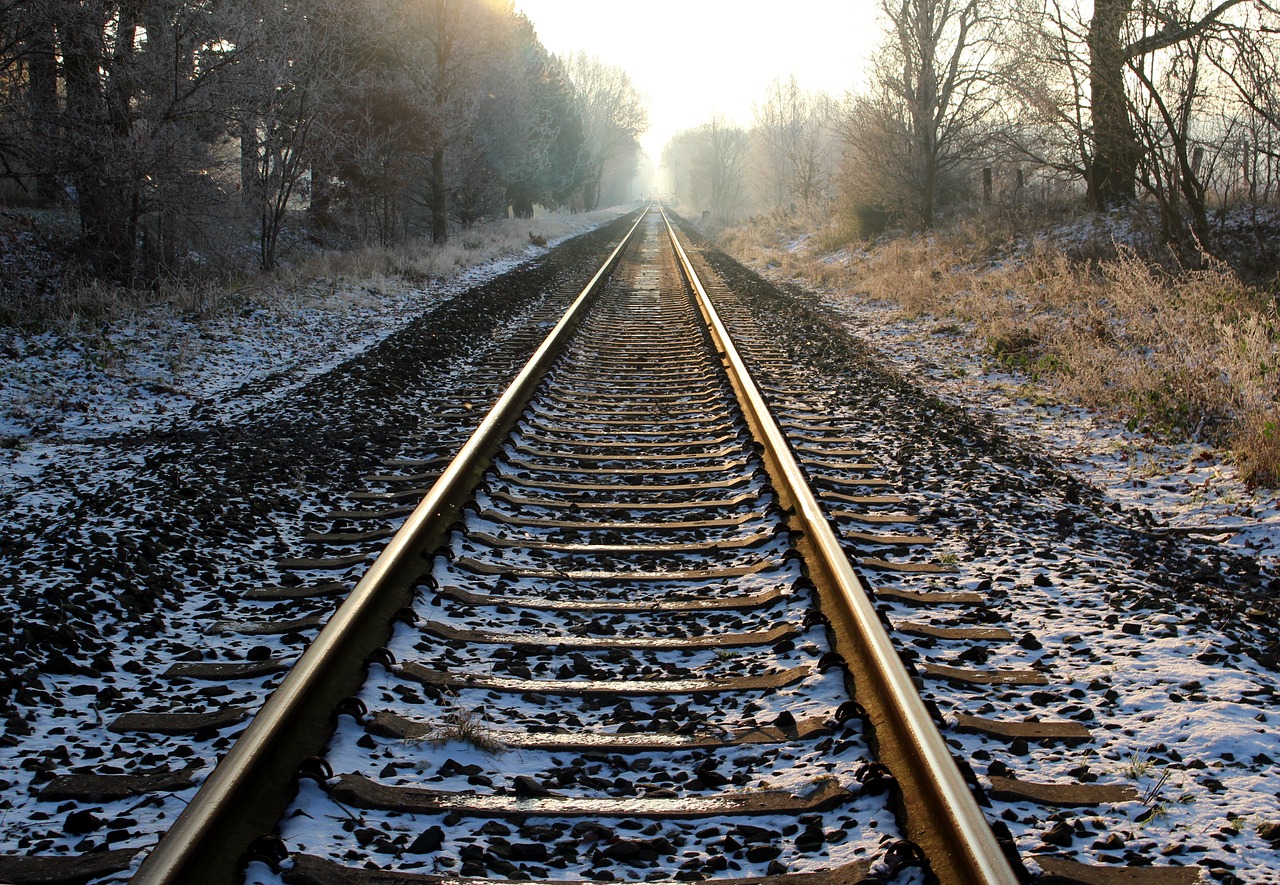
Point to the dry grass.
(1185, 353)
(61, 301)
(471, 728)
(422, 260)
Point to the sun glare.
(695, 58)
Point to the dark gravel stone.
(428, 842)
(811, 840)
(1270, 832)
(529, 851)
(79, 823)
(637, 851)
(761, 853)
(1060, 834)
(752, 834)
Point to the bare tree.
(793, 128)
(874, 180)
(443, 80)
(722, 160)
(679, 159)
(403, 112)
(613, 116)
(1042, 74)
(1145, 97)
(1171, 162)
(1249, 60)
(1122, 36)
(123, 114)
(28, 96)
(287, 79)
(930, 100)
(708, 168)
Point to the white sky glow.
(693, 58)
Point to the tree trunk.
(591, 189)
(439, 198)
(42, 69)
(928, 193)
(321, 203)
(1113, 170)
(252, 186)
(108, 202)
(520, 200)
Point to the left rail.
(244, 795)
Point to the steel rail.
(205, 843)
(947, 818)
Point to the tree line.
(1111, 102)
(177, 131)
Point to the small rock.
(530, 851)
(1060, 834)
(81, 822)
(527, 787)
(428, 842)
(754, 834)
(761, 852)
(811, 840)
(1111, 841)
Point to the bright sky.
(692, 58)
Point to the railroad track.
(618, 639)
(618, 612)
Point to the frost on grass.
(119, 362)
(1158, 389)
(469, 727)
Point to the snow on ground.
(1175, 707)
(104, 427)
(1188, 487)
(139, 371)
(60, 394)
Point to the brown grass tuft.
(469, 727)
(1257, 448)
(1184, 353)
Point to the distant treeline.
(180, 131)
(1174, 103)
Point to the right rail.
(942, 815)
